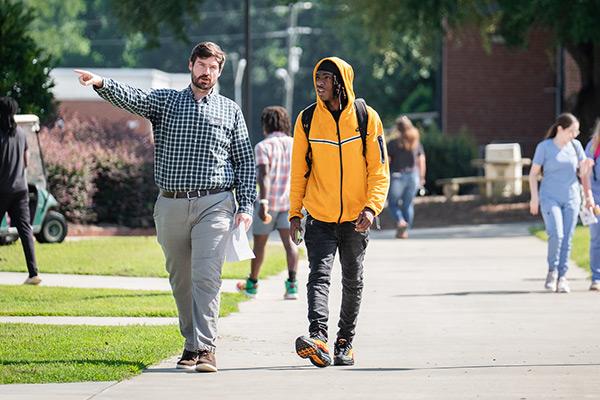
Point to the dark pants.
(17, 206)
(322, 241)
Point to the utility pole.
(247, 93)
(294, 52)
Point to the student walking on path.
(340, 177)
(273, 159)
(407, 167)
(592, 199)
(14, 194)
(203, 154)
(560, 155)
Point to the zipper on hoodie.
(337, 126)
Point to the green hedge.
(100, 172)
(448, 156)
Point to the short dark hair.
(206, 50)
(8, 109)
(275, 119)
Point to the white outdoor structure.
(503, 160)
(67, 87)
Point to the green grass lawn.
(55, 301)
(580, 252)
(121, 256)
(55, 353)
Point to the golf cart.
(49, 226)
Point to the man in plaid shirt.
(202, 155)
(273, 160)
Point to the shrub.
(125, 192)
(100, 172)
(448, 156)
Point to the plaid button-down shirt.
(198, 144)
(275, 151)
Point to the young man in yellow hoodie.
(341, 179)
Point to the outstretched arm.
(146, 103)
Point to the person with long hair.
(560, 155)
(592, 200)
(407, 166)
(14, 195)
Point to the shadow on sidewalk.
(272, 368)
(476, 293)
(470, 367)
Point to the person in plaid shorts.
(273, 158)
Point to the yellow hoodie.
(342, 181)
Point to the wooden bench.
(451, 186)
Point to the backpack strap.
(362, 116)
(363, 121)
(307, 115)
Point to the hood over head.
(344, 74)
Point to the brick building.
(504, 94)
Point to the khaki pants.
(193, 234)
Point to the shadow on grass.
(124, 296)
(108, 363)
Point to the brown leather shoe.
(207, 362)
(188, 360)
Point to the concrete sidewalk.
(455, 313)
(101, 281)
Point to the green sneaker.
(291, 290)
(249, 288)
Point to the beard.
(201, 84)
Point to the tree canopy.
(25, 69)
(574, 26)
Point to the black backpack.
(363, 121)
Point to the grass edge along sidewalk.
(61, 353)
(32, 353)
(580, 250)
(57, 301)
(139, 256)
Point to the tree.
(391, 81)
(24, 69)
(574, 24)
(58, 28)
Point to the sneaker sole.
(205, 368)
(317, 357)
(290, 297)
(342, 362)
(188, 367)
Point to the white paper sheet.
(238, 248)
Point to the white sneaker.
(563, 285)
(551, 281)
(595, 286)
(34, 280)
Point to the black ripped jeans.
(323, 240)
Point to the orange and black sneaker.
(315, 349)
(343, 353)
